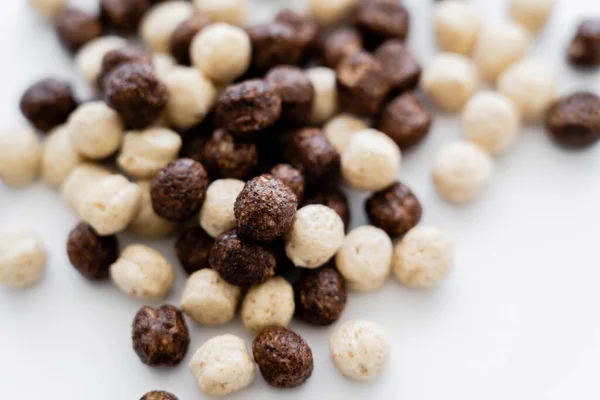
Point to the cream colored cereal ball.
(532, 88)
(161, 21)
(48, 8)
(491, 121)
(316, 234)
(22, 259)
(146, 223)
(216, 214)
(450, 80)
(78, 182)
(208, 299)
(267, 304)
(88, 59)
(424, 256)
(222, 366)
(96, 130)
(360, 349)
(59, 156)
(339, 130)
(325, 101)
(532, 14)
(233, 12)
(461, 171)
(163, 63)
(191, 96)
(20, 156)
(456, 26)
(498, 47)
(330, 12)
(371, 160)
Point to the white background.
(518, 318)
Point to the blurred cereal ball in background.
(234, 12)
(531, 14)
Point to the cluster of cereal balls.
(218, 133)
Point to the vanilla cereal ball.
(216, 214)
(22, 259)
(96, 130)
(20, 156)
(88, 59)
(316, 234)
(450, 80)
(371, 161)
(360, 349)
(339, 130)
(456, 26)
(222, 366)
(424, 256)
(48, 8)
(163, 63)
(79, 181)
(461, 171)
(532, 14)
(267, 304)
(146, 223)
(59, 156)
(232, 12)
(491, 121)
(330, 12)
(208, 299)
(161, 21)
(325, 101)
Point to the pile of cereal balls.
(221, 133)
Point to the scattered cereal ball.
(305, 27)
(574, 120)
(341, 129)
(270, 303)
(325, 102)
(296, 92)
(90, 253)
(316, 234)
(160, 22)
(22, 259)
(48, 103)
(321, 296)
(461, 171)
(193, 248)
(338, 44)
(406, 120)
(96, 130)
(309, 150)
(182, 37)
(284, 358)
(333, 198)
(456, 26)
(229, 11)
(163, 64)
(222, 366)
(330, 12)
(273, 44)
(76, 28)
(160, 336)
(424, 257)
(532, 14)
(584, 50)
(20, 156)
(79, 181)
(400, 67)
(146, 222)
(450, 80)
(360, 349)
(292, 177)
(48, 8)
(222, 52)
(124, 15)
(225, 156)
(159, 395)
(142, 272)
(395, 209)
(217, 215)
(115, 58)
(208, 299)
(381, 20)
(59, 156)
(89, 57)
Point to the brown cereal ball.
(332, 198)
(227, 157)
(395, 209)
(381, 20)
(292, 177)
(134, 91)
(192, 248)
(296, 92)
(284, 358)
(321, 296)
(305, 28)
(400, 68)
(309, 150)
(178, 190)
(124, 15)
(48, 103)
(241, 262)
(182, 37)
(574, 121)
(338, 44)
(115, 58)
(265, 208)
(406, 120)
(159, 395)
(584, 50)
(274, 44)
(90, 253)
(76, 28)
(160, 336)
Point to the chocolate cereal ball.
(192, 248)
(124, 15)
(309, 150)
(115, 58)
(76, 28)
(178, 190)
(406, 120)
(182, 37)
(400, 68)
(338, 44)
(395, 209)
(320, 296)
(274, 44)
(227, 157)
(332, 198)
(574, 121)
(381, 20)
(159, 395)
(90, 253)
(296, 92)
(48, 103)
(284, 358)
(292, 177)
(584, 50)
(160, 336)
(305, 28)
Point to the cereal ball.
(461, 171)
(456, 26)
(193, 248)
(160, 22)
(316, 234)
(115, 58)
(22, 259)
(305, 27)
(160, 336)
(229, 11)
(48, 103)
(163, 64)
(360, 349)
(291, 176)
(48, 8)
(96, 130)
(124, 15)
(79, 181)
(178, 190)
(371, 161)
(395, 209)
(450, 80)
(20, 156)
(159, 395)
(406, 120)
(274, 44)
(498, 47)
(338, 44)
(142, 272)
(59, 156)
(584, 50)
(89, 57)
(400, 68)
(222, 366)
(208, 299)
(222, 52)
(241, 262)
(267, 304)
(574, 120)
(90, 253)
(146, 223)
(284, 358)
(265, 208)
(532, 88)
(341, 129)
(296, 92)
(325, 102)
(424, 257)
(227, 157)
(491, 121)
(182, 37)
(216, 214)
(381, 20)
(330, 12)
(321, 296)
(532, 14)
(309, 150)
(332, 198)
(76, 28)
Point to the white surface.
(517, 319)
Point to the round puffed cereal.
(96, 130)
(330, 12)
(91, 254)
(161, 21)
(316, 234)
(532, 14)
(461, 171)
(48, 8)
(208, 299)
(450, 80)
(142, 272)
(59, 156)
(22, 259)
(81, 178)
(47, 103)
(159, 395)
(192, 248)
(270, 303)
(325, 101)
(163, 64)
(20, 156)
(146, 223)
(89, 58)
(229, 11)
(360, 349)
(491, 121)
(222, 366)
(339, 130)
(456, 26)
(371, 160)
(217, 215)
(423, 257)
(75, 28)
